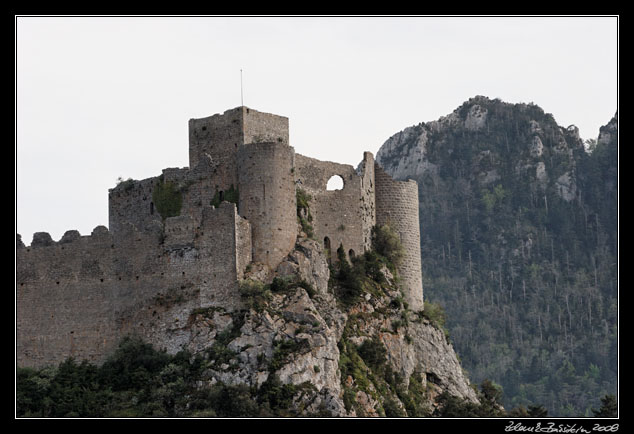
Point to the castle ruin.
(197, 229)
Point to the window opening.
(335, 183)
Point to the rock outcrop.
(295, 331)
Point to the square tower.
(214, 140)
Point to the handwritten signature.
(551, 427)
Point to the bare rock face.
(476, 118)
(609, 132)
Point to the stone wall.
(131, 202)
(214, 140)
(70, 294)
(77, 297)
(340, 217)
(397, 205)
(222, 253)
(264, 127)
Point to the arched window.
(151, 208)
(326, 243)
(351, 254)
(335, 183)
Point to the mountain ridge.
(519, 244)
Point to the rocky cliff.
(369, 357)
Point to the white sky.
(103, 97)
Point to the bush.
(138, 381)
(132, 365)
(167, 199)
(392, 409)
(349, 279)
(436, 315)
(254, 293)
(387, 243)
(373, 353)
(303, 211)
(231, 195)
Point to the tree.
(537, 411)
(490, 399)
(609, 407)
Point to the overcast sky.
(99, 98)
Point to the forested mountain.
(519, 237)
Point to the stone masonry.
(237, 208)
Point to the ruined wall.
(264, 127)
(223, 251)
(397, 205)
(267, 199)
(343, 216)
(131, 202)
(79, 296)
(70, 294)
(215, 140)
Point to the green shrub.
(283, 350)
(373, 353)
(392, 409)
(436, 315)
(387, 243)
(254, 293)
(290, 283)
(304, 216)
(138, 381)
(126, 185)
(167, 198)
(231, 195)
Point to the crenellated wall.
(75, 297)
(69, 294)
(397, 205)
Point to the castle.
(201, 227)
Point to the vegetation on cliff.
(139, 381)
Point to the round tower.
(267, 199)
(397, 205)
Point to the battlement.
(189, 234)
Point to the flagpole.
(241, 93)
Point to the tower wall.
(397, 205)
(267, 199)
(214, 141)
(264, 127)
